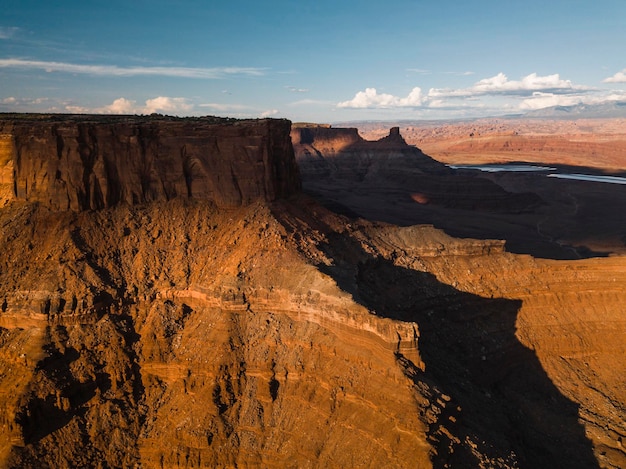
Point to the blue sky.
(323, 61)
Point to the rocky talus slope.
(272, 332)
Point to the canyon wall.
(391, 181)
(181, 335)
(214, 327)
(89, 162)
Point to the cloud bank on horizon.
(529, 93)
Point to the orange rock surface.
(82, 163)
(277, 333)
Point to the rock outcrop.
(81, 163)
(337, 158)
(391, 181)
(181, 335)
(535, 214)
(190, 332)
(341, 153)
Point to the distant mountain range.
(579, 111)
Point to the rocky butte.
(169, 298)
(334, 160)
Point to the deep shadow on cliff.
(231, 327)
(485, 397)
(388, 180)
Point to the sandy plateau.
(162, 304)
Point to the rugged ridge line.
(337, 163)
(86, 162)
(341, 153)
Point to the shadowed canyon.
(205, 292)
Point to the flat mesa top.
(117, 119)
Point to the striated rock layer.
(177, 335)
(180, 334)
(388, 180)
(81, 163)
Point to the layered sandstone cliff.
(81, 163)
(266, 332)
(180, 335)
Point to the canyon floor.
(346, 326)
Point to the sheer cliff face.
(177, 333)
(91, 163)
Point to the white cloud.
(370, 98)
(615, 95)
(269, 113)
(619, 77)
(114, 70)
(414, 98)
(538, 89)
(160, 104)
(501, 85)
(606, 97)
(168, 105)
(293, 89)
(541, 100)
(120, 106)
